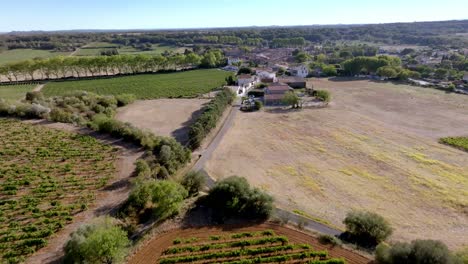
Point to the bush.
(323, 95)
(125, 99)
(193, 182)
(418, 252)
(233, 197)
(163, 197)
(329, 240)
(142, 169)
(34, 96)
(100, 242)
(245, 70)
(367, 228)
(258, 105)
(209, 118)
(59, 115)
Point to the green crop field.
(146, 86)
(458, 142)
(46, 177)
(94, 49)
(244, 248)
(15, 92)
(26, 54)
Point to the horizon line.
(228, 27)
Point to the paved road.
(292, 218)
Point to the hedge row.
(210, 117)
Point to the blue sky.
(150, 14)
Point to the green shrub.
(100, 242)
(59, 115)
(142, 169)
(329, 240)
(125, 99)
(193, 182)
(233, 197)
(323, 95)
(416, 252)
(367, 228)
(258, 105)
(164, 197)
(34, 96)
(209, 118)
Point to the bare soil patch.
(152, 250)
(166, 117)
(375, 147)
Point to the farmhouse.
(274, 93)
(246, 80)
(293, 81)
(267, 76)
(301, 71)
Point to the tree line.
(64, 67)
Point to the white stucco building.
(301, 71)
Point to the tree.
(416, 252)
(291, 98)
(193, 182)
(163, 197)
(329, 70)
(367, 228)
(99, 242)
(387, 72)
(441, 73)
(302, 56)
(233, 197)
(244, 70)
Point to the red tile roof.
(274, 96)
(278, 87)
(244, 76)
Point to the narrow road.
(279, 213)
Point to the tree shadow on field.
(181, 134)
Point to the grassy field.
(94, 49)
(375, 148)
(148, 86)
(14, 92)
(458, 142)
(26, 54)
(46, 177)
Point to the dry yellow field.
(374, 148)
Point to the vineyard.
(147, 86)
(244, 248)
(46, 177)
(266, 243)
(458, 142)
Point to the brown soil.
(152, 250)
(165, 117)
(375, 147)
(107, 199)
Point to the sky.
(25, 15)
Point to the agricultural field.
(47, 176)
(375, 147)
(15, 92)
(16, 55)
(95, 48)
(254, 244)
(146, 86)
(174, 123)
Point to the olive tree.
(99, 242)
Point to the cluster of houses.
(275, 88)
